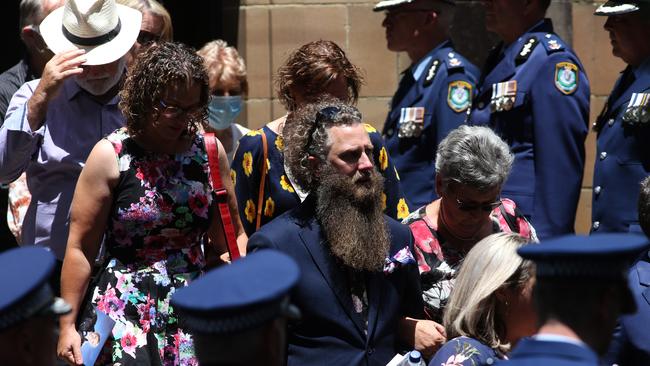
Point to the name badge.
(637, 111)
(503, 96)
(411, 122)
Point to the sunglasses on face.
(486, 207)
(172, 111)
(145, 37)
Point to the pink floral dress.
(153, 243)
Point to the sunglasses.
(486, 207)
(145, 37)
(172, 111)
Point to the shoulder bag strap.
(510, 219)
(260, 195)
(222, 195)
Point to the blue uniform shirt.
(623, 153)
(535, 95)
(432, 99)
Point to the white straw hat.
(106, 30)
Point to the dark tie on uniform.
(405, 85)
(626, 80)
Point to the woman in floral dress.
(145, 190)
(314, 70)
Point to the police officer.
(631, 343)
(238, 313)
(28, 309)
(433, 94)
(580, 290)
(623, 127)
(534, 93)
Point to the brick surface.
(255, 2)
(368, 51)
(374, 111)
(257, 113)
(254, 47)
(583, 217)
(293, 26)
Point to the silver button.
(596, 225)
(603, 155)
(481, 105)
(451, 54)
(611, 121)
(389, 132)
(597, 189)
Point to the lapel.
(502, 71)
(332, 272)
(376, 284)
(413, 96)
(638, 85)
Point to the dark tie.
(626, 80)
(405, 85)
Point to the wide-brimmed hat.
(617, 7)
(104, 29)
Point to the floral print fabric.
(438, 261)
(279, 193)
(158, 218)
(465, 351)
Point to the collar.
(643, 69)
(543, 26)
(547, 337)
(72, 90)
(420, 67)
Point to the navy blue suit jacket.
(622, 159)
(330, 332)
(532, 352)
(631, 342)
(545, 128)
(414, 157)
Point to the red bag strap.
(222, 195)
(260, 194)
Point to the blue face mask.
(222, 111)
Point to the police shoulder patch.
(459, 95)
(566, 77)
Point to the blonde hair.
(473, 309)
(223, 62)
(156, 8)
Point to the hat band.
(26, 307)
(93, 41)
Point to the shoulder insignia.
(526, 50)
(552, 43)
(459, 95)
(431, 73)
(566, 77)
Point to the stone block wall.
(270, 29)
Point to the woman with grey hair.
(472, 163)
(487, 315)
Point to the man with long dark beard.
(359, 281)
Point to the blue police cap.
(241, 296)
(602, 256)
(390, 4)
(617, 7)
(24, 286)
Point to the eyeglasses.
(486, 207)
(145, 37)
(172, 111)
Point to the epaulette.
(454, 63)
(526, 50)
(552, 43)
(432, 70)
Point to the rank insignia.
(638, 110)
(459, 95)
(431, 73)
(503, 96)
(411, 122)
(566, 77)
(553, 44)
(526, 50)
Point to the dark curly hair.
(311, 68)
(305, 134)
(156, 68)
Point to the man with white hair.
(52, 123)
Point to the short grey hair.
(30, 13)
(473, 309)
(473, 156)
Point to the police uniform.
(431, 100)
(601, 258)
(535, 95)
(623, 146)
(24, 288)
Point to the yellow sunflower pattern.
(286, 185)
(279, 143)
(254, 132)
(383, 159)
(369, 128)
(247, 163)
(402, 209)
(233, 176)
(269, 207)
(383, 201)
(250, 211)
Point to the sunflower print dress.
(279, 193)
(159, 214)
